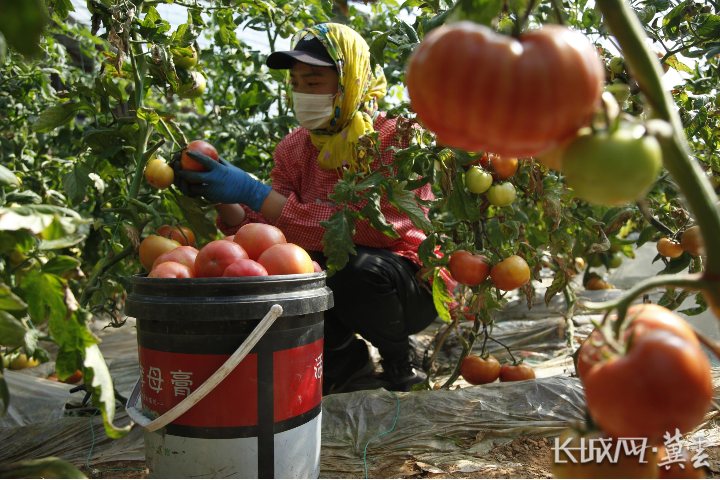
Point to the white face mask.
(313, 110)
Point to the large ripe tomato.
(172, 270)
(502, 195)
(516, 373)
(612, 169)
(662, 383)
(481, 91)
(627, 465)
(669, 468)
(185, 255)
(478, 180)
(641, 319)
(469, 269)
(505, 167)
(255, 238)
(511, 273)
(479, 371)
(286, 259)
(668, 248)
(159, 174)
(245, 268)
(182, 235)
(692, 241)
(216, 256)
(197, 146)
(152, 247)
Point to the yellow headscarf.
(356, 103)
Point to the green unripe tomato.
(612, 169)
(620, 90)
(615, 248)
(184, 61)
(597, 261)
(617, 64)
(193, 88)
(502, 195)
(616, 260)
(477, 180)
(717, 100)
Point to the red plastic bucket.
(263, 420)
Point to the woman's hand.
(222, 183)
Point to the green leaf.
(24, 197)
(45, 296)
(372, 211)
(377, 49)
(58, 115)
(677, 64)
(441, 297)
(63, 8)
(672, 20)
(7, 177)
(478, 11)
(405, 202)
(461, 204)
(64, 242)
(76, 182)
(677, 265)
(559, 282)
(707, 26)
(12, 330)
(340, 228)
(646, 235)
(49, 467)
(16, 240)
(192, 210)
(149, 115)
(60, 264)
(702, 306)
(22, 23)
(9, 301)
(695, 121)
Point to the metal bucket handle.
(208, 385)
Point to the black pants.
(378, 296)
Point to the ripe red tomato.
(479, 371)
(245, 268)
(692, 241)
(668, 248)
(505, 167)
(74, 378)
(662, 383)
(216, 256)
(642, 318)
(185, 255)
(197, 146)
(627, 465)
(152, 247)
(286, 259)
(511, 273)
(159, 174)
(255, 238)
(516, 373)
(316, 267)
(172, 270)
(469, 269)
(182, 235)
(481, 91)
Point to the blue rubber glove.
(224, 183)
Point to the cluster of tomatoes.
(479, 370)
(256, 250)
(691, 242)
(493, 169)
(472, 270)
(652, 381)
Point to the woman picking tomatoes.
(335, 97)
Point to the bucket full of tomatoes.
(230, 374)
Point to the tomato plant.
(478, 370)
(469, 269)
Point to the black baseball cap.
(309, 50)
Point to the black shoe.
(400, 374)
(343, 366)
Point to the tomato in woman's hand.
(692, 241)
(469, 269)
(479, 371)
(286, 259)
(152, 247)
(478, 180)
(255, 238)
(668, 248)
(502, 194)
(182, 235)
(197, 146)
(626, 466)
(216, 256)
(661, 384)
(245, 268)
(185, 255)
(172, 270)
(159, 174)
(516, 373)
(511, 273)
